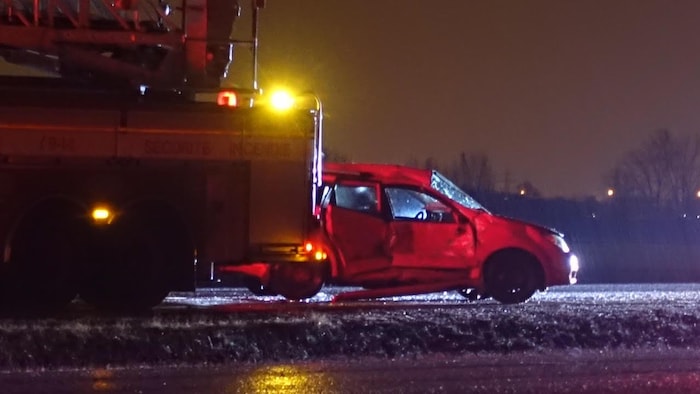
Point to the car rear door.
(354, 223)
(426, 232)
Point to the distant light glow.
(522, 192)
(611, 192)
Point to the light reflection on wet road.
(622, 371)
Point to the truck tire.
(47, 251)
(256, 287)
(125, 279)
(140, 251)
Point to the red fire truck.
(130, 171)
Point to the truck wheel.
(297, 281)
(133, 272)
(511, 278)
(48, 247)
(257, 288)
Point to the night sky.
(554, 92)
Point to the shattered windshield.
(450, 190)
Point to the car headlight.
(558, 240)
(573, 263)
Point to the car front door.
(354, 222)
(427, 233)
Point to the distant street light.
(698, 194)
(611, 192)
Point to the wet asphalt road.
(646, 370)
(545, 372)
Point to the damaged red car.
(397, 230)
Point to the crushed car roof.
(385, 173)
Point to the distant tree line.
(470, 171)
(663, 173)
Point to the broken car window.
(416, 205)
(358, 198)
(448, 189)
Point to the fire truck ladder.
(138, 42)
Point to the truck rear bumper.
(260, 271)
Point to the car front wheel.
(511, 278)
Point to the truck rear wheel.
(256, 287)
(126, 278)
(140, 251)
(47, 250)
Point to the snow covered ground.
(590, 317)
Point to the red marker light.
(227, 98)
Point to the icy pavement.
(577, 317)
(604, 293)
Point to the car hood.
(539, 227)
